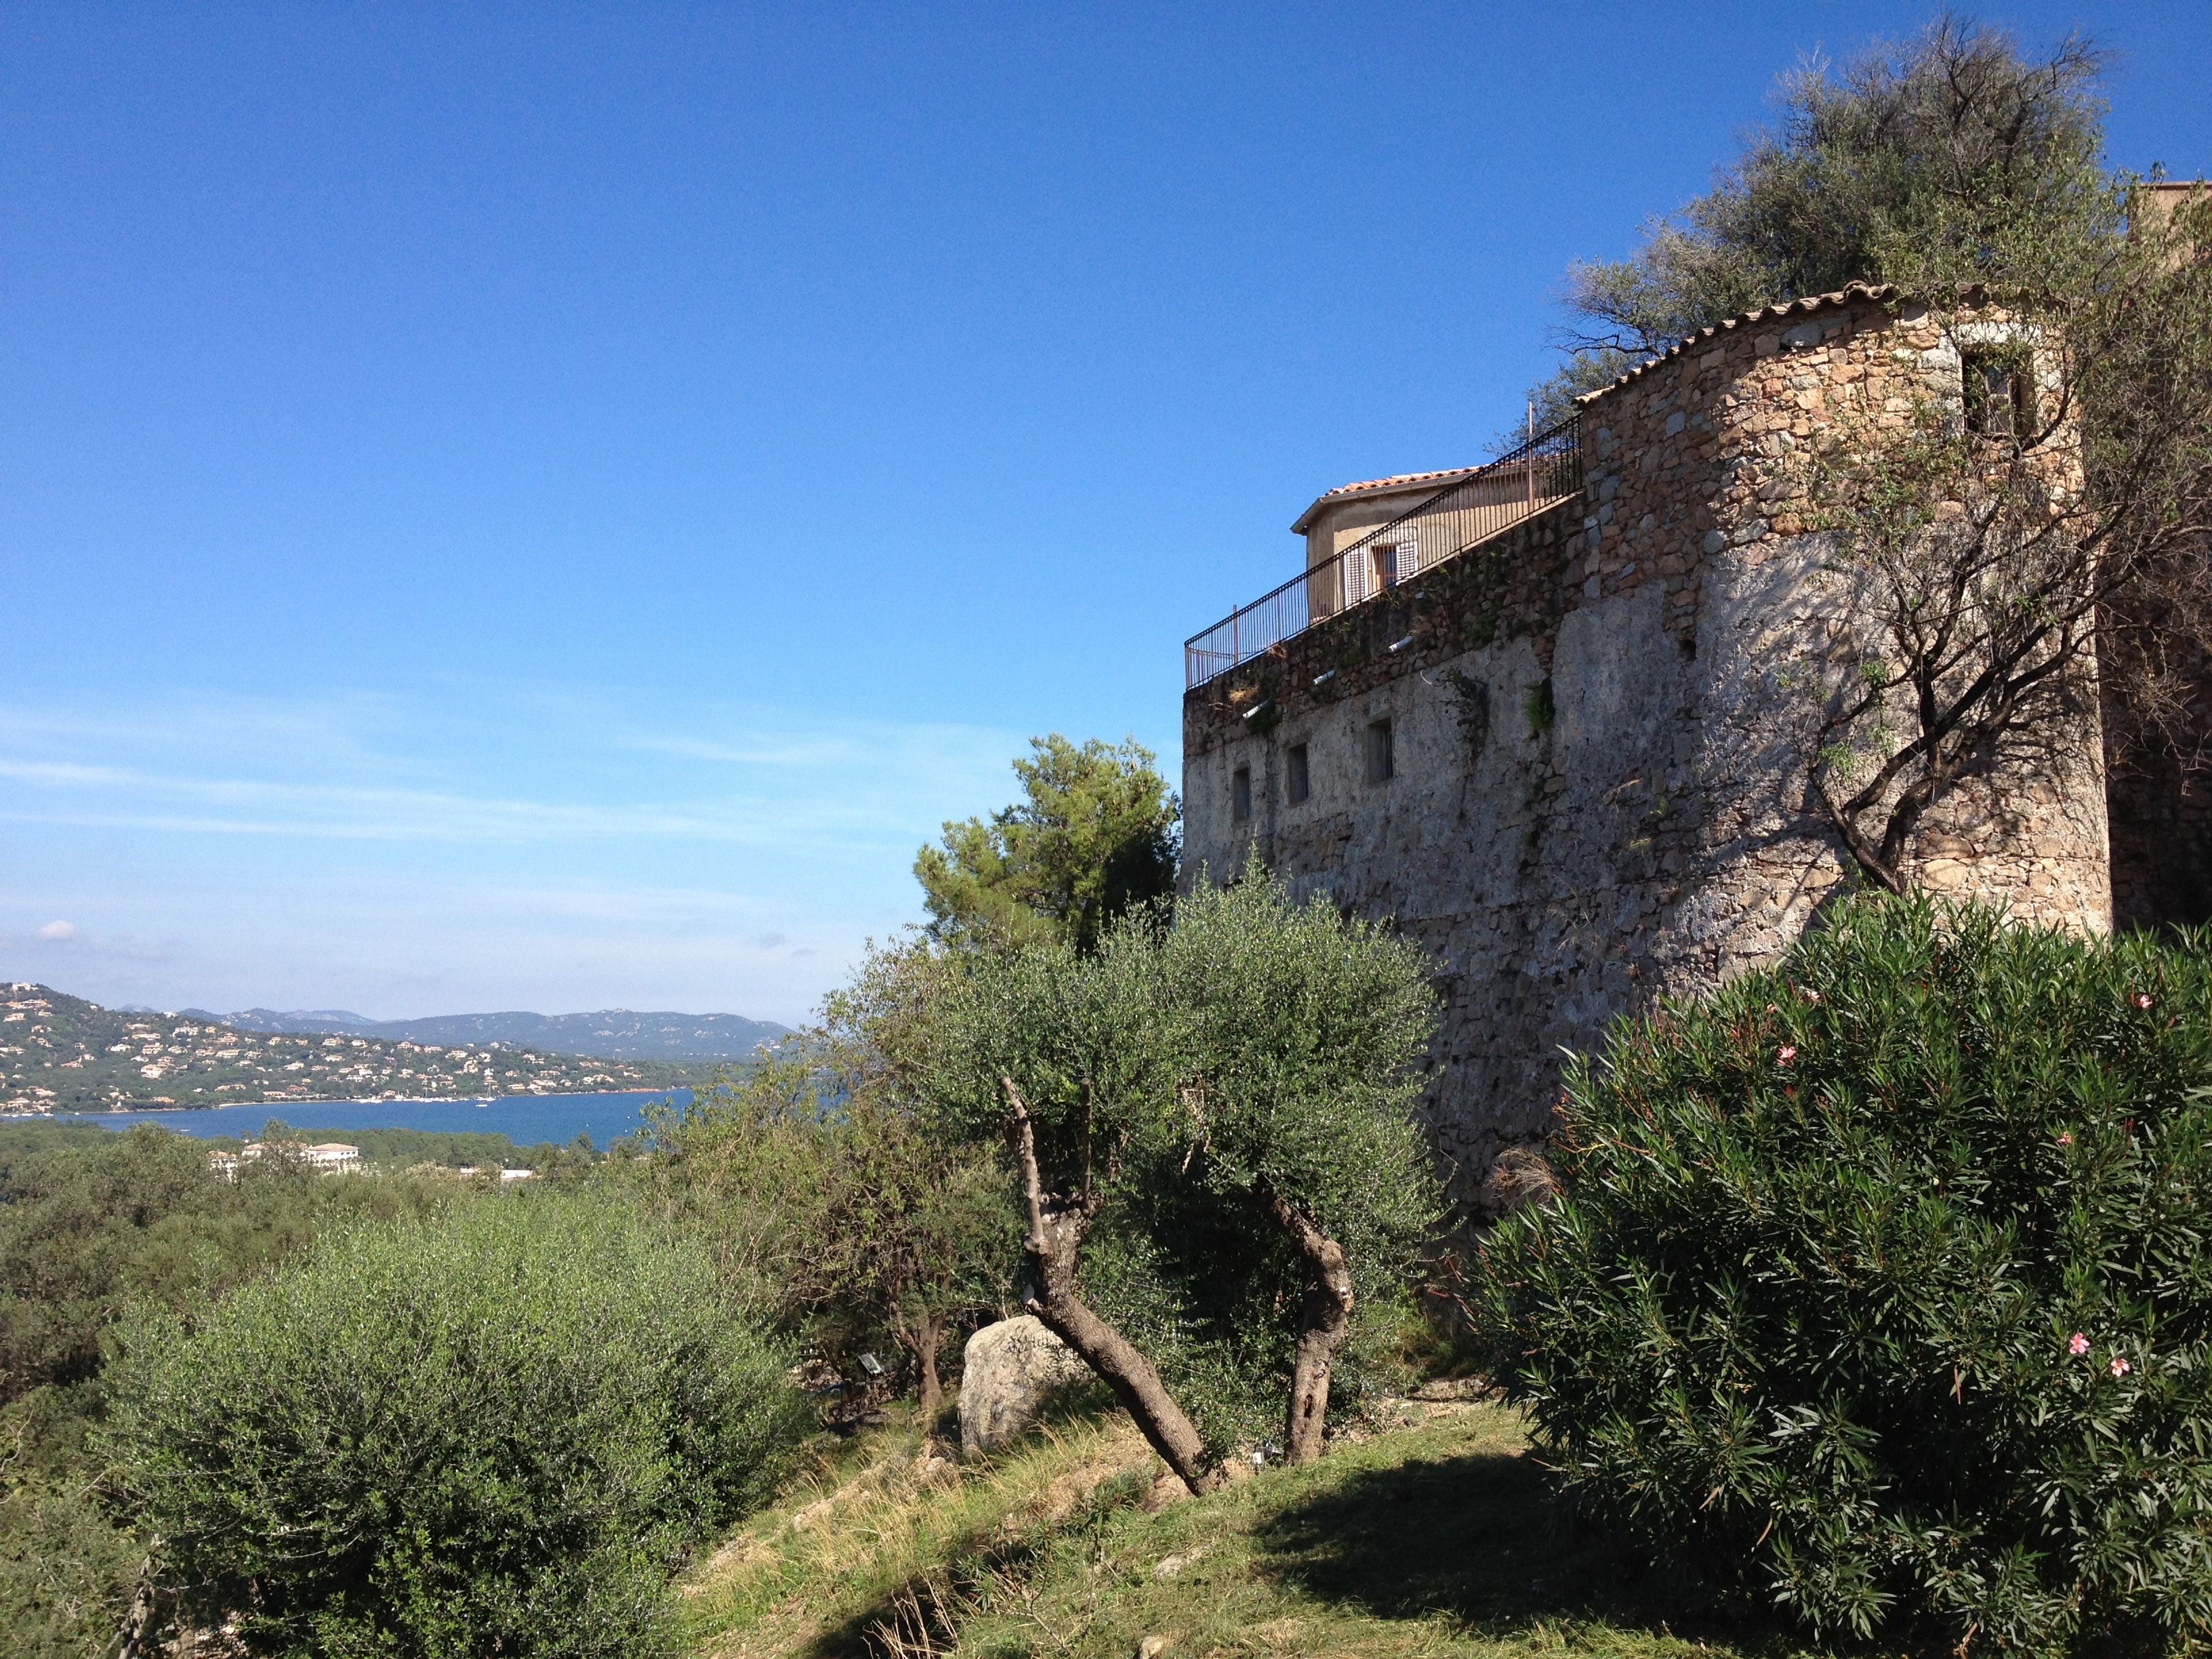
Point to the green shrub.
(66, 1572)
(1877, 1286)
(496, 1430)
(90, 1221)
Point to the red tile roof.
(1396, 478)
(1395, 481)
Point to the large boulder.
(1011, 1372)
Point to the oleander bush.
(1877, 1291)
(499, 1429)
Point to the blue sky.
(549, 507)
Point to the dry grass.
(876, 1520)
(1429, 1536)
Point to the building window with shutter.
(1377, 568)
(1240, 794)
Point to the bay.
(526, 1118)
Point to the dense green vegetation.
(495, 1429)
(1877, 1292)
(93, 1222)
(60, 1053)
(1798, 1338)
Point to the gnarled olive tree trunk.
(1058, 1225)
(1324, 1317)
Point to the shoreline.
(13, 1115)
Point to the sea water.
(525, 1119)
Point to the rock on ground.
(1009, 1376)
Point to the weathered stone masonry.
(1596, 788)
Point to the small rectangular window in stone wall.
(1382, 763)
(1240, 794)
(1297, 781)
(2000, 388)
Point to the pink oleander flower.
(2142, 999)
(1810, 994)
(2066, 1136)
(2077, 1344)
(2120, 1367)
(1789, 1052)
(1772, 1009)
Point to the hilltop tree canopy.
(1094, 835)
(1949, 156)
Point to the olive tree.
(1303, 1031)
(1227, 1090)
(1069, 1057)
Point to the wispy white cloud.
(392, 815)
(861, 787)
(483, 846)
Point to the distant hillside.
(612, 1033)
(61, 1054)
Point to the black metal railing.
(1492, 499)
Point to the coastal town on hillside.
(63, 1054)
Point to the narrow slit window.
(1240, 794)
(1296, 782)
(1382, 760)
(2000, 388)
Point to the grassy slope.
(1426, 1539)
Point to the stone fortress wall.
(1564, 761)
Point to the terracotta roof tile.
(1396, 478)
(1329, 497)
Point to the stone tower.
(1533, 712)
